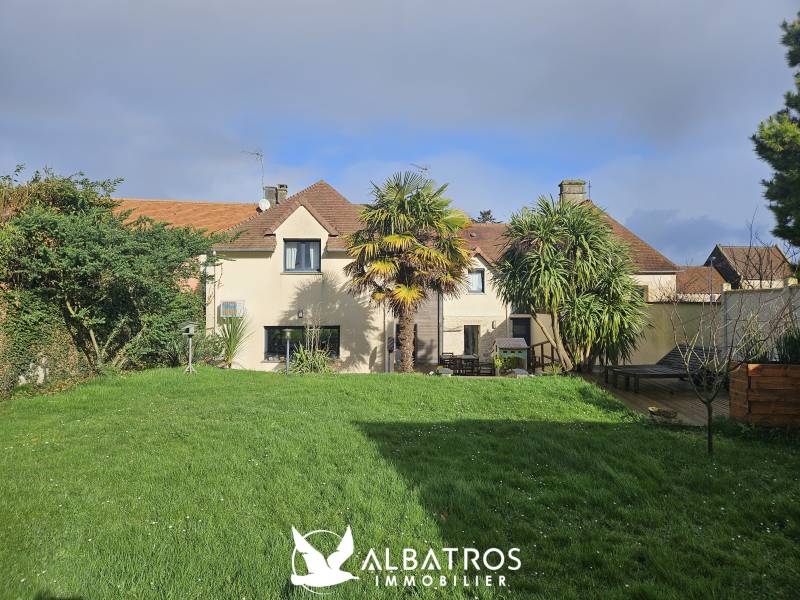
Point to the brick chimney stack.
(283, 192)
(572, 190)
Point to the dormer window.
(301, 256)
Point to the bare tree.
(739, 327)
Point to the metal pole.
(190, 369)
(287, 354)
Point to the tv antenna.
(258, 154)
(422, 168)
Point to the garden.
(158, 484)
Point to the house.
(283, 269)
(750, 267)
(699, 284)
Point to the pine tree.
(777, 142)
(485, 216)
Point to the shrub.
(753, 347)
(309, 357)
(233, 334)
(787, 347)
(310, 360)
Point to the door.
(521, 328)
(471, 335)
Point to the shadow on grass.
(607, 507)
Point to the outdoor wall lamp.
(287, 334)
(300, 314)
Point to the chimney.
(572, 190)
(282, 191)
(271, 194)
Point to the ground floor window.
(275, 342)
(471, 333)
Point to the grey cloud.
(689, 240)
(167, 94)
(648, 69)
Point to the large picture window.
(275, 342)
(475, 281)
(301, 256)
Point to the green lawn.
(162, 485)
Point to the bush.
(787, 347)
(310, 360)
(309, 357)
(233, 334)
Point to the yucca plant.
(410, 246)
(310, 357)
(787, 346)
(234, 333)
(562, 260)
(753, 347)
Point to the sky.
(652, 102)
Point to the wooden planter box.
(766, 394)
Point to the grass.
(160, 485)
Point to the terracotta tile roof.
(757, 262)
(646, 258)
(487, 239)
(695, 280)
(334, 212)
(211, 216)
(253, 230)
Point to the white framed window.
(231, 308)
(301, 256)
(475, 281)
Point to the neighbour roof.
(757, 262)
(334, 212)
(698, 280)
(211, 216)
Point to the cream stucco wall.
(273, 298)
(485, 310)
(661, 287)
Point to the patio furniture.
(486, 368)
(671, 366)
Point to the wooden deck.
(664, 393)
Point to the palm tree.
(562, 260)
(409, 247)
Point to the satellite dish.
(263, 204)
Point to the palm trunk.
(566, 361)
(407, 341)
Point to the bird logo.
(322, 572)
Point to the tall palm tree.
(410, 246)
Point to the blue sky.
(653, 102)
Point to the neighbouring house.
(284, 269)
(751, 267)
(699, 284)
